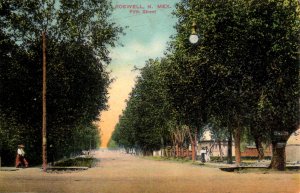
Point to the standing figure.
(203, 152)
(20, 159)
(207, 154)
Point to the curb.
(8, 169)
(65, 168)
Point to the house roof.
(294, 138)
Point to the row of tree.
(241, 78)
(79, 34)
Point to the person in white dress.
(207, 154)
(20, 158)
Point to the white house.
(292, 148)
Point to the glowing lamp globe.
(193, 38)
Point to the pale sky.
(146, 37)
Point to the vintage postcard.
(149, 96)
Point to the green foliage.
(112, 144)
(243, 73)
(247, 53)
(79, 34)
(143, 124)
(172, 159)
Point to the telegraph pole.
(44, 138)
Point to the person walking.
(20, 158)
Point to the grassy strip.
(172, 159)
(78, 161)
(211, 164)
(244, 158)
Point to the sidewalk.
(9, 169)
(215, 164)
(254, 164)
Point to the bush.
(79, 162)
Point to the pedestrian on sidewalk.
(203, 152)
(207, 154)
(20, 158)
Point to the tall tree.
(244, 66)
(147, 113)
(79, 35)
(273, 42)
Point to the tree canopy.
(242, 75)
(79, 36)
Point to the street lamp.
(193, 37)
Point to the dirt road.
(122, 173)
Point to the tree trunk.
(278, 156)
(193, 140)
(237, 145)
(259, 148)
(177, 150)
(188, 152)
(220, 150)
(193, 151)
(162, 147)
(173, 154)
(229, 149)
(181, 151)
(195, 144)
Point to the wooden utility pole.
(44, 138)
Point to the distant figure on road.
(20, 159)
(207, 154)
(203, 154)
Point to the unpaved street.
(122, 173)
